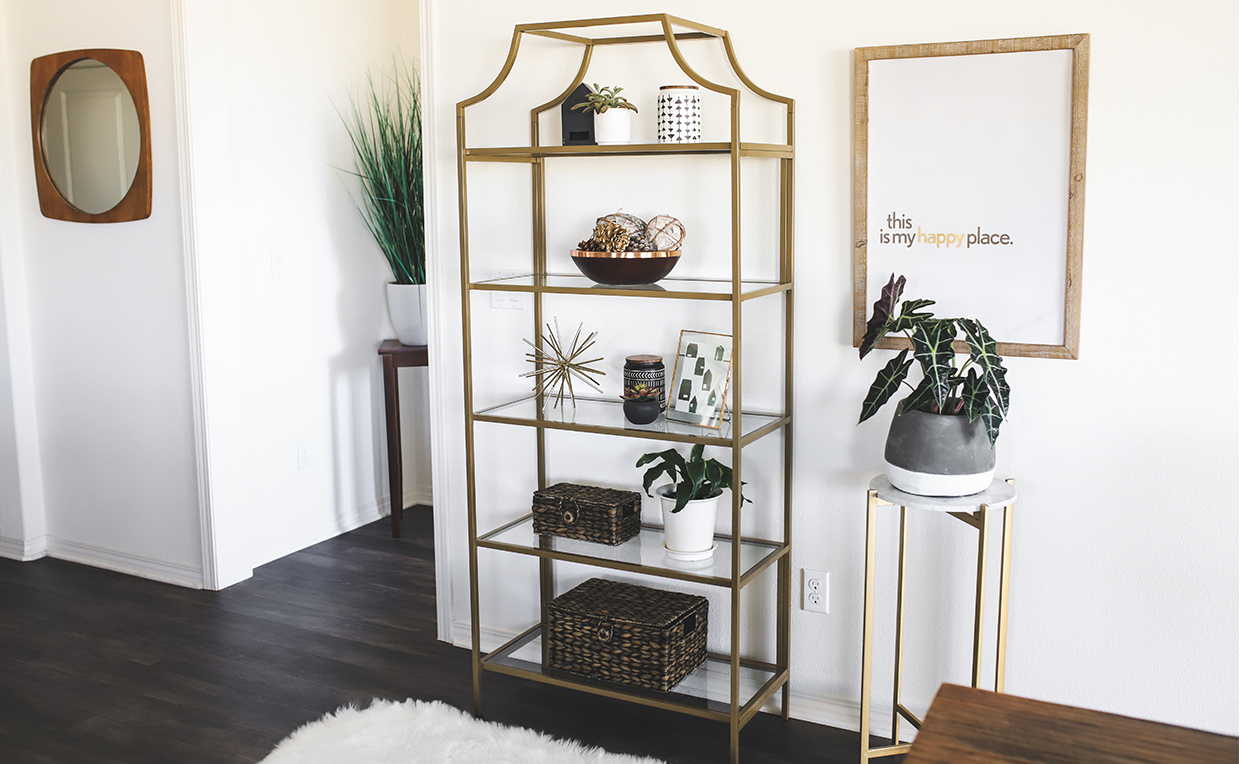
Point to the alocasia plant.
(945, 388)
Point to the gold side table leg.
(1005, 575)
(895, 695)
(982, 515)
(867, 635)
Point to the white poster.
(967, 186)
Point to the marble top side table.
(973, 510)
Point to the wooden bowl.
(626, 268)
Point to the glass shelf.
(606, 416)
(673, 288)
(642, 554)
(507, 153)
(705, 692)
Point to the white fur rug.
(416, 732)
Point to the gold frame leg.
(1005, 575)
(979, 614)
(867, 636)
(895, 693)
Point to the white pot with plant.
(387, 140)
(942, 437)
(613, 124)
(691, 502)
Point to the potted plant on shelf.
(386, 131)
(612, 121)
(690, 502)
(641, 403)
(942, 437)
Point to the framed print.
(699, 386)
(969, 180)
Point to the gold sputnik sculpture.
(558, 363)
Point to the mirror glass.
(91, 138)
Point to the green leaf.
(684, 494)
(984, 352)
(653, 473)
(876, 328)
(921, 395)
(932, 347)
(909, 317)
(992, 418)
(697, 474)
(885, 385)
(975, 394)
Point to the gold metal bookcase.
(740, 560)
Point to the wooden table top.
(965, 725)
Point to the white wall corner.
(176, 573)
(23, 550)
(314, 534)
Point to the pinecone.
(640, 242)
(611, 237)
(589, 245)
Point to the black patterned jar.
(646, 369)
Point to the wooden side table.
(396, 356)
(973, 510)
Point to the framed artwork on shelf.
(969, 179)
(699, 388)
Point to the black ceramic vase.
(642, 412)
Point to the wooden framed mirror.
(91, 124)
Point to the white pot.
(407, 307)
(689, 533)
(612, 127)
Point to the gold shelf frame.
(672, 31)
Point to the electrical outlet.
(279, 267)
(815, 590)
(506, 300)
(303, 454)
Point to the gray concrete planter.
(938, 454)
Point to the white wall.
(291, 290)
(105, 305)
(1124, 585)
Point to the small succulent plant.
(599, 100)
(640, 391)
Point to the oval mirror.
(90, 136)
(91, 124)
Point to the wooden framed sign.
(969, 179)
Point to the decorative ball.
(631, 224)
(665, 232)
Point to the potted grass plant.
(612, 122)
(385, 126)
(942, 436)
(690, 502)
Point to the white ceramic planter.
(690, 533)
(613, 127)
(407, 307)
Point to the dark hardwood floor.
(98, 667)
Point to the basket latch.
(569, 515)
(604, 632)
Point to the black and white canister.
(647, 369)
(680, 114)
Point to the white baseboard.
(309, 536)
(841, 713)
(23, 550)
(419, 495)
(177, 573)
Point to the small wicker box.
(627, 634)
(589, 513)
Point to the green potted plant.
(641, 403)
(386, 131)
(942, 437)
(612, 121)
(690, 502)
